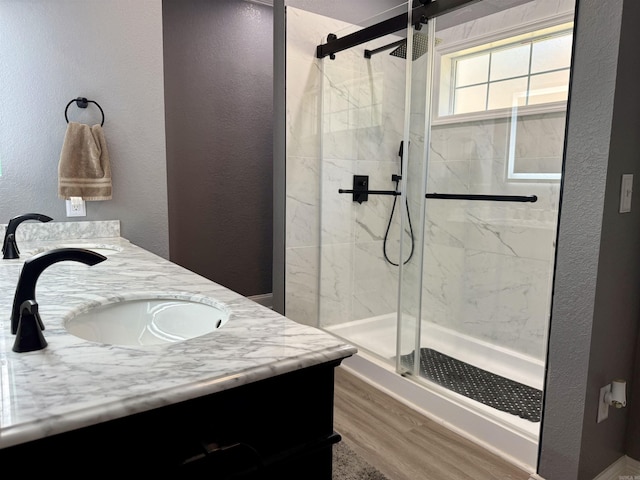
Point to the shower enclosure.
(436, 148)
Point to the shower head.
(420, 47)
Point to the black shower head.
(420, 47)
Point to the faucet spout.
(34, 266)
(9, 246)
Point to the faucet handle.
(10, 248)
(29, 336)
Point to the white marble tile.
(371, 303)
(302, 284)
(54, 230)
(494, 298)
(540, 136)
(372, 275)
(528, 12)
(503, 295)
(336, 284)
(303, 202)
(338, 211)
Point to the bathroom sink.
(148, 321)
(102, 249)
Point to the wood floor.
(405, 445)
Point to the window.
(518, 78)
(520, 71)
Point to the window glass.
(507, 93)
(471, 99)
(549, 87)
(472, 70)
(510, 62)
(521, 70)
(551, 54)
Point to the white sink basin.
(148, 321)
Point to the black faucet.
(9, 246)
(25, 307)
(29, 336)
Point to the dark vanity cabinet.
(276, 428)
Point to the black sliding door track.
(419, 14)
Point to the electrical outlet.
(76, 210)
(603, 406)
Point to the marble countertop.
(74, 383)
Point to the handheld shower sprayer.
(396, 178)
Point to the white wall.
(109, 51)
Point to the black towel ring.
(82, 102)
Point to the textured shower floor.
(377, 336)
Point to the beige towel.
(84, 169)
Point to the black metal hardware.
(361, 192)
(386, 27)
(369, 53)
(82, 102)
(370, 192)
(9, 247)
(493, 198)
(33, 267)
(360, 188)
(29, 335)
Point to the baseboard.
(266, 299)
(625, 468)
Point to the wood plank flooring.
(405, 445)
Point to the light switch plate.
(603, 407)
(626, 190)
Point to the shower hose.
(410, 232)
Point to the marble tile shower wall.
(305, 31)
(345, 117)
(488, 265)
(363, 121)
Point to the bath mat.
(347, 465)
(493, 390)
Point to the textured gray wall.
(219, 113)
(619, 273)
(55, 50)
(595, 303)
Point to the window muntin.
(518, 72)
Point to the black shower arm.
(419, 15)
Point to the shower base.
(507, 435)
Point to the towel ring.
(82, 102)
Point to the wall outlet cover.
(76, 210)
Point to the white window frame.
(513, 112)
(444, 89)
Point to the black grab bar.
(493, 198)
(361, 192)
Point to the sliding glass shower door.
(487, 188)
(363, 133)
(440, 163)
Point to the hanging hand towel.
(84, 169)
